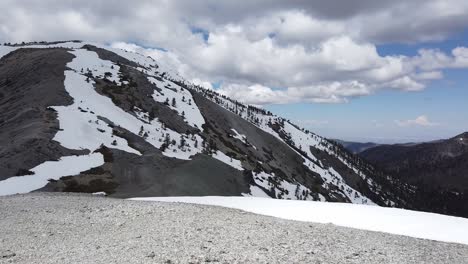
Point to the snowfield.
(373, 218)
(66, 166)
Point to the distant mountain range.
(441, 163)
(356, 147)
(439, 169)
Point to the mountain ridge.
(158, 135)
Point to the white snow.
(90, 60)
(255, 191)
(237, 164)
(80, 130)
(67, 45)
(240, 137)
(4, 50)
(185, 105)
(151, 66)
(85, 131)
(66, 166)
(332, 177)
(373, 218)
(283, 190)
(100, 193)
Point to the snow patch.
(282, 189)
(82, 129)
(4, 50)
(238, 136)
(255, 191)
(237, 164)
(178, 99)
(66, 166)
(99, 193)
(89, 62)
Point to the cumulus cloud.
(422, 120)
(262, 51)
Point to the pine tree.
(167, 139)
(297, 192)
(173, 102)
(182, 142)
(142, 130)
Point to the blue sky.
(372, 118)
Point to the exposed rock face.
(30, 81)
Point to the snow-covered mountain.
(87, 118)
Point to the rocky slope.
(80, 117)
(67, 228)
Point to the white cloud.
(262, 51)
(419, 121)
(431, 75)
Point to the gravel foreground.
(77, 228)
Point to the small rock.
(284, 245)
(8, 254)
(151, 255)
